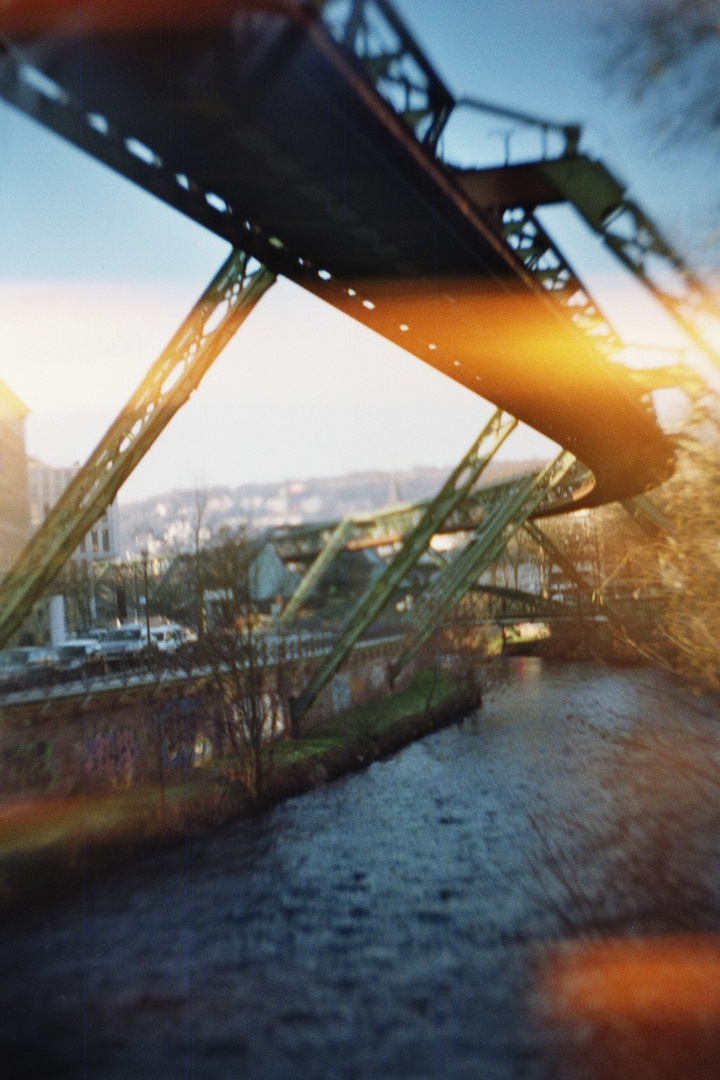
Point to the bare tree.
(247, 664)
(521, 553)
(462, 647)
(669, 49)
(199, 538)
(690, 566)
(666, 585)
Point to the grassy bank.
(49, 846)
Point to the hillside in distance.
(169, 522)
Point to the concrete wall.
(118, 739)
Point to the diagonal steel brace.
(648, 515)
(568, 567)
(487, 543)
(387, 525)
(332, 549)
(456, 488)
(221, 309)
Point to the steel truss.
(378, 528)
(402, 74)
(568, 567)
(636, 241)
(546, 262)
(355, 532)
(386, 526)
(502, 522)
(455, 489)
(394, 62)
(29, 89)
(527, 604)
(625, 229)
(177, 372)
(336, 544)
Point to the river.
(393, 924)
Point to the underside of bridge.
(251, 119)
(270, 123)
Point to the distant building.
(47, 483)
(14, 496)
(268, 579)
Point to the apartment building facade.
(46, 485)
(15, 521)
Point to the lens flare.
(647, 1009)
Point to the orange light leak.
(19, 18)
(506, 344)
(64, 824)
(482, 333)
(644, 1009)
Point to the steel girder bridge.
(306, 134)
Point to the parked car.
(24, 666)
(125, 643)
(78, 656)
(99, 634)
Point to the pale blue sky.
(95, 275)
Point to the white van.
(125, 642)
(167, 639)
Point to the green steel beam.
(515, 191)
(383, 526)
(671, 376)
(538, 605)
(648, 515)
(387, 525)
(221, 309)
(502, 522)
(456, 488)
(568, 567)
(334, 546)
(546, 262)
(635, 240)
(393, 61)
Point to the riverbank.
(494, 900)
(49, 846)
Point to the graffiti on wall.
(112, 753)
(29, 766)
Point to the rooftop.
(10, 403)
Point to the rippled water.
(389, 925)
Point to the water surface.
(388, 925)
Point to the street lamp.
(144, 556)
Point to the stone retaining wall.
(115, 738)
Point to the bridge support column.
(388, 525)
(456, 488)
(221, 309)
(489, 540)
(333, 547)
